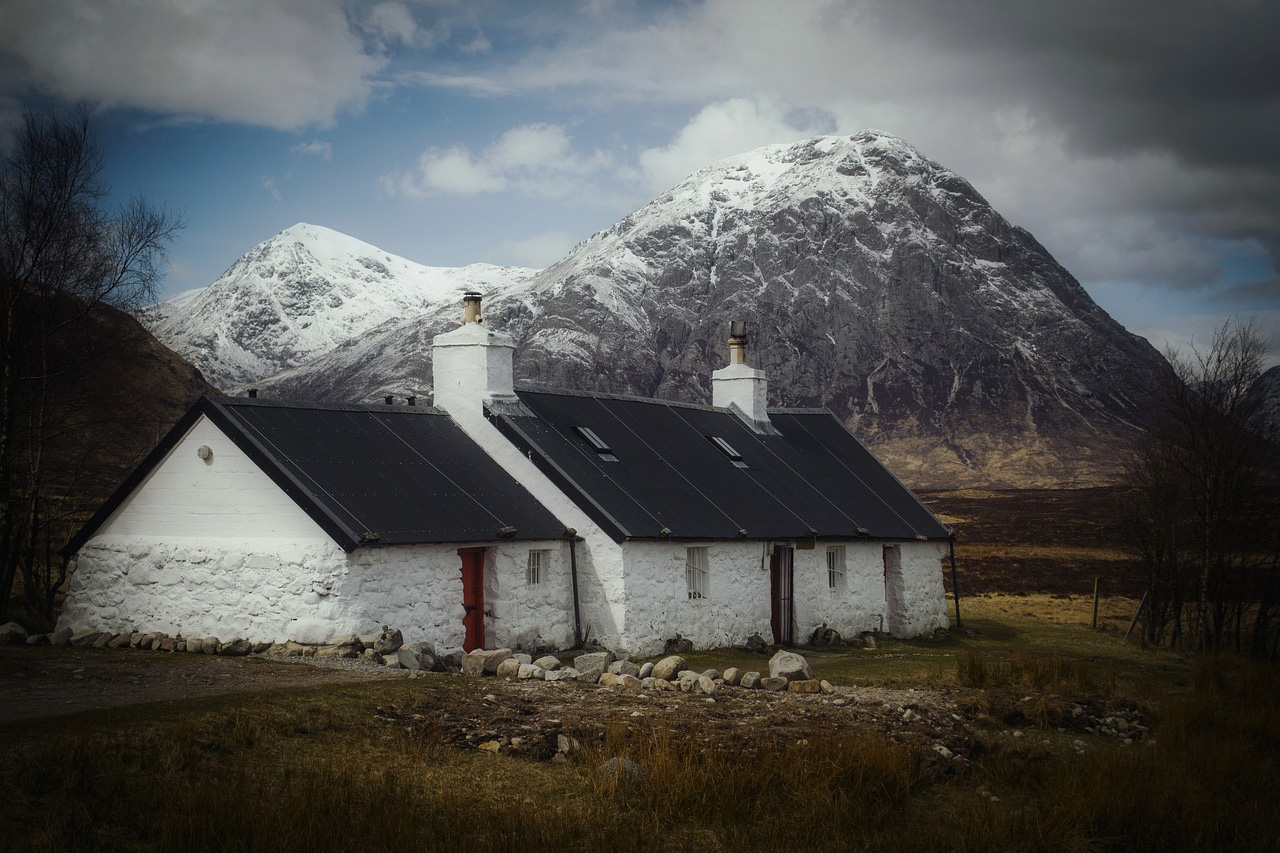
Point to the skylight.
(598, 444)
(727, 449)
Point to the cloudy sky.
(1139, 141)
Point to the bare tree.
(63, 255)
(1202, 509)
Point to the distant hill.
(876, 282)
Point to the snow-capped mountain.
(875, 281)
(300, 294)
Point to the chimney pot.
(413, 401)
(389, 400)
(471, 308)
(253, 392)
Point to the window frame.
(535, 572)
(697, 572)
(837, 571)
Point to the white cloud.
(285, 64)
(474, 85)
(721, 130)
(315, 148)
(392, 22)
(269, 184)
(535, 159)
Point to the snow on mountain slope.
(303, 293)
(875, 281)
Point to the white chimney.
(740, 387)
(471, 365)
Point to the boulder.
(239, 647)
(484, 661)
(646, 670)
(608, 679)
(592, 665)
(566, 673)
(869, 641)
(750, 680)
(629, 682)
(713, 674)
(827, 686)
(789, 665)
(261, 648)
(407, 658)
(85, 638)
(103, 640)
(706, 685)
(550, 663)
(170, 644)
(493, 657)
(522, 657)
(371, 655)
(824, 636)
(509, 668)
(804, 686)
(774, 683)
(60, 637)
(12, 632)
(669, 667)
(530, 672)
(390, 640)
(678, 645)
(38, 639)
(732, 676)
(624, 667)
(757, 645)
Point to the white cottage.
(515, 517)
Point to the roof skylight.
(598, 444)
(727, 449)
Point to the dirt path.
(48, 682)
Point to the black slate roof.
(813, 479)
(367, 475)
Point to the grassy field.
(319, 769)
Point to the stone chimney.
(472, 365)
(739, 387)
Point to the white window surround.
(696, 572)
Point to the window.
(835, 568)
(728, 450)
(695, 573)
(538, 562)
(603, 452)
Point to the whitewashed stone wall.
(923, 601)
(658, 605)
(309, 591)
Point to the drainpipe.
(572, 536)
(955, 589)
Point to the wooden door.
(472, 597)
(781, 583)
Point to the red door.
(473, 597)
(780, 583)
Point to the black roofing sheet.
(813, 479)
(407, 475)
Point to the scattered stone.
(567, 745)
(868, 641)
(168, 644)
(789, 665)
(757, 645)
(629, 682)
(390, 640)
(646, 670)
(236, 648)
(371, 655)
(491, 746)
(624, 667)
(509, 668)
(407, 658)
(135, 640)
(804, 686)
(61, 637)
(669, 667)
(528, 672)
(706, 685)
(824, 636)
(522, 657)
(750, 680)
(102, 640)
(38, 639)
(732, 676)
(155, 644)
(910, 716)
(83, 638)
(261, 648)
(566, 673)
(592, 665)
(453, 660)
(12, 632)
(943, 751)
(713, 674)
(678, 645)
(618, 773)
(774, 683)
(608, 679)
(827, 686)
(550, 663)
